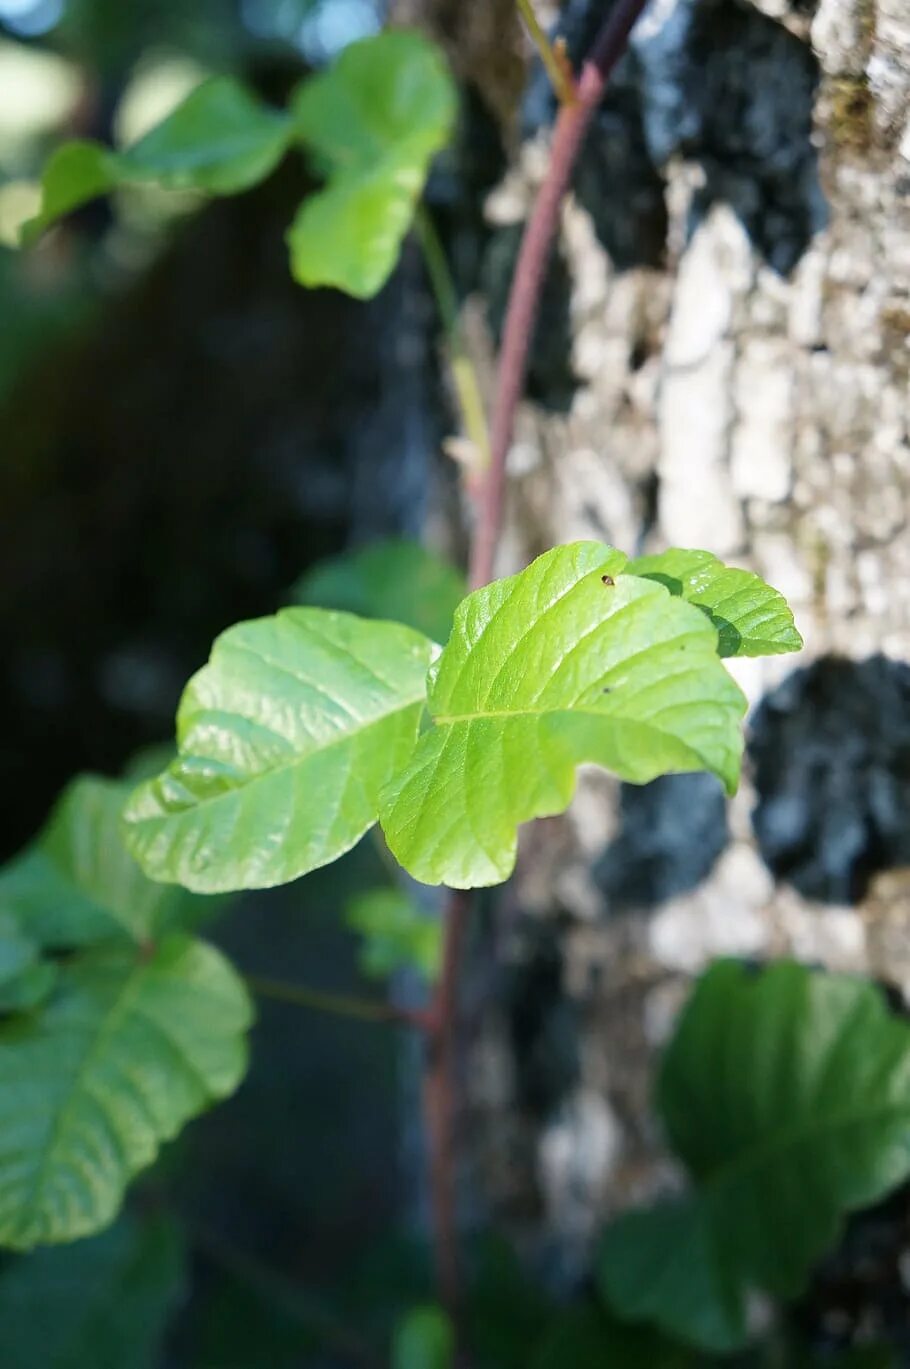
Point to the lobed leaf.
(787, 1096)
(543, 671)
(220, 139)
(393, 579)
(285, 739)
(127, 1050)
(751, 618)
(77, 885)
(374, 122)
(101, 1304)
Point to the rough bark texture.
(738, 260)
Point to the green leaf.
(398, 580)
(28, 989)
(423, 1340)
(128, 1049)
(75, 173)
(285, 739)
(100, 1304)
(18, 952)
(77, 885)
(751, 618)
(543, 671)
(396, 933)
(787, 1095)
(221, 139)
(585, 1336)
(374, 122)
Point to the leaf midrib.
(299, 758)
(764, 1152)
(106, 1028)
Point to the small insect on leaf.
(608, 580)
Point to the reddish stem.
(440, 1085)
(530, 269)
(440, 1093)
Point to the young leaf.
(423, 1340)
(101, 1304)
(552, 667)
(285, 739)
(374, 122)
(126, 1051)
(398, 580)
(77, 885)
(787, 1095)
(396, 933)
(221, 139)
(751, 618)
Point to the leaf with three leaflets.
(221, 139)
(374, 122)
(284, 741)
(566, 662)
(127, 1050)
(787, 1096)
(751, 618)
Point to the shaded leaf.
(398, 580)
(18, 952)
(285, 739)
(77, 885)
(28, 989)
(423, 1340)
(127, 1050)
(751, 618)
(100, 1304)
(787, 1095)
(220, 139)
(585, 1336)
(543, 671)
(374, 122)
(396, 933)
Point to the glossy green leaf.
(285, 739)
(751, 618)
(102, 1303)
(77, 885)
(127, 1050)
(543, 671)
(374, 122)
(396, 933)
(423, 1340)
(398, 580)
(787, 1096)
(221, 139)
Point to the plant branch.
(439, 1095)
(340, 1005)
(464, 375)
(530, 270)
(554, 60)
(440, 1082)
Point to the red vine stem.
(440, 1083)
(530, 269)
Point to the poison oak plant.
(787, 1096)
